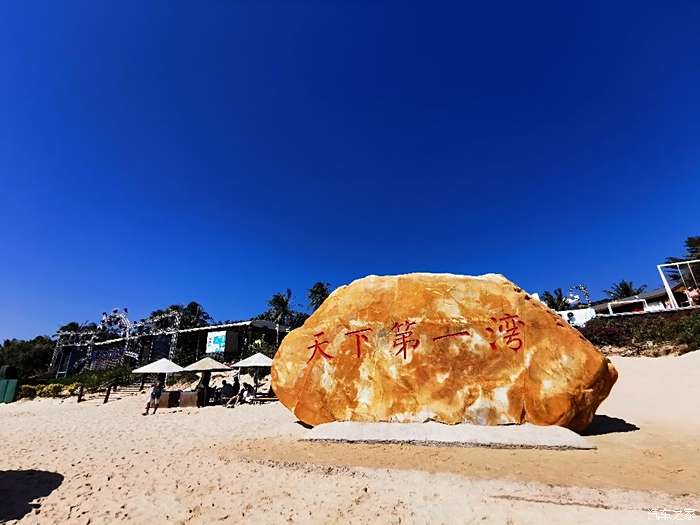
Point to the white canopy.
(255, 360)
(162, 366)
(207, 364)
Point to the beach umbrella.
(256, 361)
(162, 366)
(207, 365)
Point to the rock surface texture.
(440, 347)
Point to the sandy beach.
(93, 463)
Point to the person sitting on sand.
(154, 398)
(246, 395)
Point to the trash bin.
(8, 390)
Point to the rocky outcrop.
(439, 347)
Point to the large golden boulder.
(439, 347)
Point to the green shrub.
(94, 379)
(72, 389)
(50, 390)
(689, 333)
(640, 330)
(27, 391)
(605, 331)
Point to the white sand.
(248, 464)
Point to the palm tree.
(685, 273)
(73, 326)
(624, 289)
(280, 305)
(317, 294)
(692, 248)
(297, 319)
(281, 312)
(556, 300)
(194, 316)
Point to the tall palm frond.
(624, 289)
(317, 294)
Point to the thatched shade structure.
(254, 361)
(162, 366)
(207, 364)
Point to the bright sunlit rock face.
(441, 347)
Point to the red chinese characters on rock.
(318, 347)
(507, 328)
(402, 337)
(359, 338)
(463, 332)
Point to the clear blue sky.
(161, 152)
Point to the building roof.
(256, 323)
(657, 293)
(651, 295)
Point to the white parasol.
(162, 366)
(207, 364)
(254, 361)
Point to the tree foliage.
(298, 318)
(192, 315)
(78, 328)
(685, 273)
(280, 307)
(556, 300)
(692, 250)
(318, 293)
(29, 357)
(72, 326)
(260, 346)
(281, 310)
(624, 289)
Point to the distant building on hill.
(652, 301)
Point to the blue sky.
(160, 152)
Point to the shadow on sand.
(19, 487)
(608, 425)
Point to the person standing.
(236, 387)
(154, 398)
